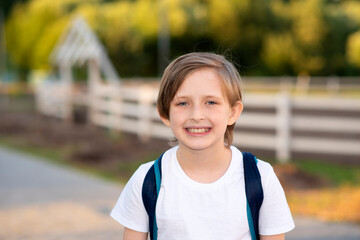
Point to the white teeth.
(198, 130)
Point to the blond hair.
(175, 74)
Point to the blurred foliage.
(6, 6)
(340, 202)
(337, 174)
(337, 204)
(353, 48)
(265, 37)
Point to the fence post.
(67, 88)
(116, 96)
(303, 84)
(283, 128)
(144, 114)
(93, 85)
(333, 85)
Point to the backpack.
(253, 189)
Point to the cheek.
(222, 116)
(220, 112)
(176, 116)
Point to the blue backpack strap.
(150, 192)
(254, 193)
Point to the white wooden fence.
(277, 122)
(53, 98)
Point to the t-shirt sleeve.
(275, 216)
(129, 209)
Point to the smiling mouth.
(198, 130)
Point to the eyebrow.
(206, 96)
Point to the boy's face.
(200, 112)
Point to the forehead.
(203, 81)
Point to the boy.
(202, 194)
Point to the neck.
(204, 165)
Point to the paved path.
(42, 201)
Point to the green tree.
(241, 25)
(32, 30)
(275, 37)
(310, 36)
(353, 49)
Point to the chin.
(197, 147)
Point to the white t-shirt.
(189, 210)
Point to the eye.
(211, 102)
(182, 104)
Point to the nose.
(197, 113)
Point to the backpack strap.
(150, 192)
(254, 193)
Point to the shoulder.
(268, 176)
(142, 170)
(265, 169)
(129, 209)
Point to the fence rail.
(277, 122)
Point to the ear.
(236, 110)
(163, 119)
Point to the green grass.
(53, 155)
(337, 173)
(119, 173)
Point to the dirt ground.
(77, 144)
(97, 148)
